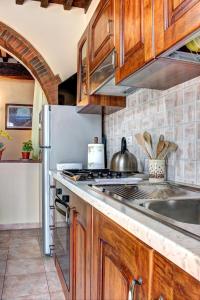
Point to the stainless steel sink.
(185, 211)
(175, 205)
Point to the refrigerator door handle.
(45, 147)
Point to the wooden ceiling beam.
(20, 2)
(44, 3)
(13, 70)
(87, 4)
(68, 4)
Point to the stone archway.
(17, 45)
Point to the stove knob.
(90, 175)
(118, 175)
(109, 175)
(100, 175)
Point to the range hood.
(102, 81)
(166, 71)
(171, 68)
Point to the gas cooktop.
(96, 174)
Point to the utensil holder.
(157, 170)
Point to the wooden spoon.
(163, 153)
(148, 143)
(160, 145)
(141, 141)
(148, 138)
(172, 147)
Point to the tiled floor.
(24, 273)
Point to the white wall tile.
(174, 113)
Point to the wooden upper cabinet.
(120, 265)
(82, 72)
(101, 33)
(174, 21)
(92, 103)
(133, 35)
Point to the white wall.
(18, 92)
(19, 194)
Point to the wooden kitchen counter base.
(109, 263)
(180, 249)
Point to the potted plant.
(26, 149)
(3, 134)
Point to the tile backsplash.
(174, 113)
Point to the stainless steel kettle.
(123, 161)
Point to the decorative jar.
(157, 170)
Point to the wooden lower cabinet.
(121, 265)
(82, 242)
(169, 282)
(108, 263)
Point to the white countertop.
(179, 248)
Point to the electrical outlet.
(129, 140)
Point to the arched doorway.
(17, 45)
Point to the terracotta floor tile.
(24, 251)
(49, 264)
(1, 285)
(57, 296)
(32, 297)
(2, 267)
(25, 266)
(53, 282)
(24, 286)
(4, 233)
(23, 241)
(4, 241)
(3, 254)
(24, 233)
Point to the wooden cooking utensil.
(171, 148)
(148, 143)
(141, 141)
(148, 138)
(160, 145)
(163, 153)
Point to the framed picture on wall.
(19, 116)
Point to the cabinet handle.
(161, 298)
(132, 288)
(109, 26)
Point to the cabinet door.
(185, 286)
(174, 21)
(82, 249)
(162, 281)
(82, 72)
(169, 282)
(133, 35)
(120, 264)
(101, 33)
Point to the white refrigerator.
(64, 138)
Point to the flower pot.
(25, 155)
(1, 152)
